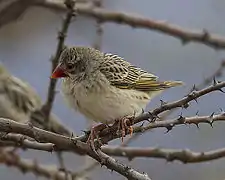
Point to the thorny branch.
(185, 35)
(73, 144)
(169, 124)
(70, 5)
(61, 37)
(185, 156)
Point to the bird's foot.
(125, 124)
(95, 134)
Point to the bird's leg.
(124, 124)
(95, 134)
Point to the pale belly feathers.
(106, 104)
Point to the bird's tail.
(169, 84)
(158, 87)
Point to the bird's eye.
(70, 66)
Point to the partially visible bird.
(103, 86)
(18, 100)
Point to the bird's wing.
(124, 75)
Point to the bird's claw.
(124, 124)
(95, 134)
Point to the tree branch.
(185, 35)
(170, 155)
(169, 124)
(65, 143)
(183, 155)
(61, 37)
(12, 159)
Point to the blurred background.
(26, 46)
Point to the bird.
(104, 87)
(20, 102)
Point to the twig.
(18, 140)
(169, 124)
(73, 144)
(12, 159)
(183, 155)
(61, 37)
(185, 35)
(218, 73)
(99, 28)
(52, 84)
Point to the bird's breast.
(102, 102)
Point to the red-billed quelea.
(18, 100)
(104, 87)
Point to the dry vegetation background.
(176, 39)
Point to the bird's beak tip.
(58, 73)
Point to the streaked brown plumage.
(104, 87)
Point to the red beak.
(59, 72)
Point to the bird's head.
(77, 62)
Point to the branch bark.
(183, 155)
(61, 37)
(65, 143)
(185, 35)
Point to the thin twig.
(99, 28)
(52, 84)
(61, 37)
